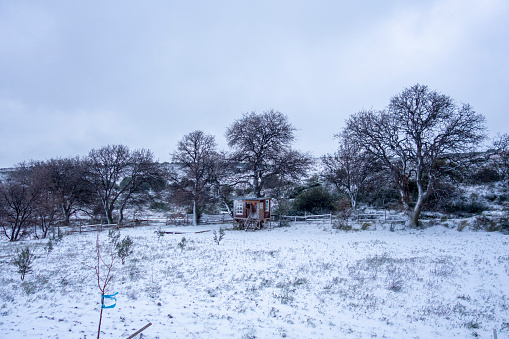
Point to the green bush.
(341, 225)
(23, 261)
(485, 223)
(159, 206)
(485, 175)
(315, 200)
(124, 248)
(220, 236)
(465, 206)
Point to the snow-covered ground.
(303, 281)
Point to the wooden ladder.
(252, 224)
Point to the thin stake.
(139, 331)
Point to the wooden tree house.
(251, 213)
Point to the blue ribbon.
(109, 297)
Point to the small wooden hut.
(251, 213)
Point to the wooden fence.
(207, 219)
(383, 217)
(308, 218)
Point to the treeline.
(408, 155)
(38, 195)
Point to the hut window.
(239, 208)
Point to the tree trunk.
(353, 200)
(67, 215)
(413, 219)
(415, 213)
(109, 215)
(100, 319)
(195, 216)
(256, 188)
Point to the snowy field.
(303, 281)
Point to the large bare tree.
(194, 157)
(417, 138)
(66, 180)
(262, 144)
(116, 173)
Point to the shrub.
(465, 206)
(504, 225)
(113, 235)
(485, 175)
(483, 222)
(314, 200)
(182, 244)
(23, 261)
(462, 225)
(160, 233)
(220, 236)
(395, 279)
(49, 246)
(159, 206)
(365, 226)
(124, 248)
(341, 225)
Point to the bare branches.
(116, 173)
(196, 157)
(262, 142)
(415, 136)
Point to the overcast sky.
(78, 75)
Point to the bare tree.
(349, 168)
(67, 180)
(19, 195)
(115, 173)
(262, 142)
(417, 138)
(501, 156)
(143, 174)
(195, 157)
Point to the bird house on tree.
(251, 213)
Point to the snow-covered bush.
(465, 206)
(485, 223)
(219, 236)
(124, 248)
(341, 225)
(23, 261)
(182, 244)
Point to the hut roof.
(251, 198)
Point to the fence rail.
(359, 217)
(308, 218)
(215, 219)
